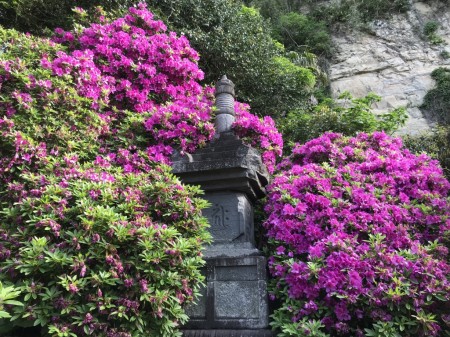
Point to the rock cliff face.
(394, 59)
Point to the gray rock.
(394, 61)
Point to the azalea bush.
(40, 113)
(98, 252)
(132, 64)
(125, 84)
(84, 241)
(129, 64)
(97, 237)
(360, 233)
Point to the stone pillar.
(225, 115)
(234, 301)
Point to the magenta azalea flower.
(367, 224)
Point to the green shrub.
(38, 117)
(349, 117)
(435, 144)
(436, 104)
(357, 12)
(300, 32)
(370, 10)
(429, 30)
(96, 235)
(358, 231)
(8, 295)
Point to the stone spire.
(235, 300)
(225, 115)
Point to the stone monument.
(234, 301)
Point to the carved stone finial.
(225, 115)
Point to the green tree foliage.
(297, 31)
(273, 9)
(347, 116)
(306, 39)
(300, 32)
(235, 40)
(41, 17)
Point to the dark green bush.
(357, 12)
(445, 54)
(99, 252)
(300, 32)
(435, 143)
(41, 17)
(436, 104)
(430, 29)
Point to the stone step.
(228, 333)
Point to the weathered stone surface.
(233, 177)
(236, 249)
(228, 333)
(230, 216)
(235, 295)
(224, 164)
(236, 299)
(393, 60)
(225, 115)
(236, 273)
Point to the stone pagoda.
(234, 301)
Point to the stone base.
(228, 333)
(235, 296)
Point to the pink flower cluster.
(359, 227)
(260, 133)
(132, 64)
